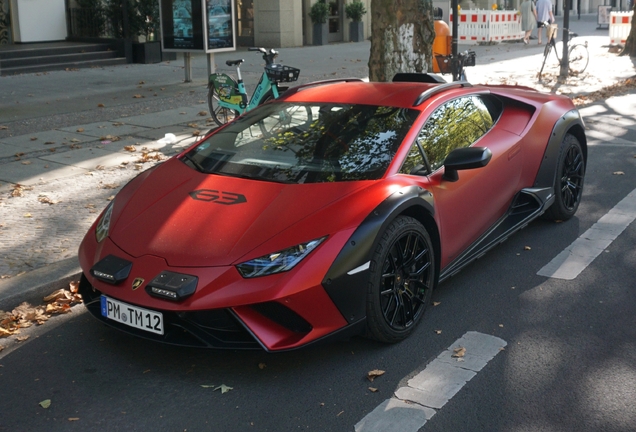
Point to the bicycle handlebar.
(268, 57)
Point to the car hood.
(193, 219)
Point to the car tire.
(568, 185)
(402, 278)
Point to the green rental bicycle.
(228, 98)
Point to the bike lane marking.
(428, 391)
(576, 257)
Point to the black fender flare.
(570, 121)
(346, 281)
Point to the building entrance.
(336, 11)
(245, 23)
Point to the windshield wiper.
(253, 177)
(196, 164)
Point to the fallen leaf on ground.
(203, 113)
(373, 389)
(527, 248)
(208, 386)
(371, 375)
(45, 403)
(619, 173)
(438, 332)
(459, 352)
(130, 148)
(73, 418)
(46, 200)
(22, 338)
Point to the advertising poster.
(182, 25)
(220, 25)
(604, 15)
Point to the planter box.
(356, 31)
(169, 56)
(147, 52)
(321, 34)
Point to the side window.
(456, 124)
(413, 160)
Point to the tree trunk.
(630, 43)
(402, 36)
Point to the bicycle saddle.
(234, 62)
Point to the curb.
(34, 285)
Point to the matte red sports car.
(333, 210)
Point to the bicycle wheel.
(221, 115)
(578, 58)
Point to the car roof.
(403, 94)
(397, 94)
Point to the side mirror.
(463, 159)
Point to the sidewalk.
(71, 156)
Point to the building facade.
(268, 23)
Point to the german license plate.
(133, 316)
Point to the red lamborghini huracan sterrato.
(333, 210)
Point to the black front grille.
(203, 329)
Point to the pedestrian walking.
(528, 19)
(544, 14)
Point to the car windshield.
(306, 143)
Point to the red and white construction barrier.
(483, 26)
(620, 24)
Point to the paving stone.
(30, 171)
(46, 140)
(102, 129)
(91, 158)
(166, 118)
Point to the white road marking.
(576, 257)
(429, 390)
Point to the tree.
(402, 36)
(630, 43)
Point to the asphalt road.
(569, 364)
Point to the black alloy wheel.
(570, 176)
(402, 280)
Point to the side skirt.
(528, 204)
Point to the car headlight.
(278, 262)
(101, 231)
